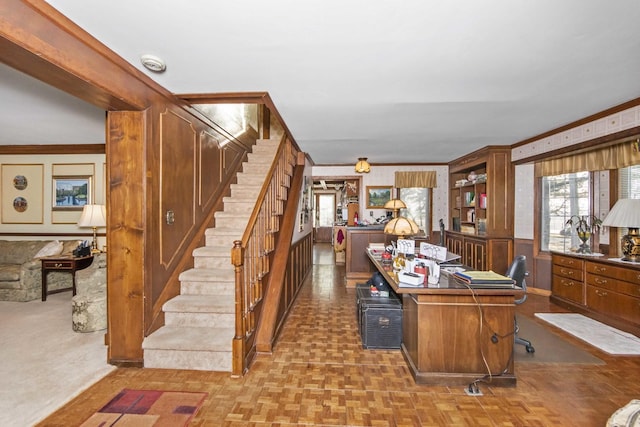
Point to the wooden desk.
(358, 267)
(447, 331)
(67, 264)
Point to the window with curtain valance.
(569, 190)
(412, 179)
(415, 190)
(612, 157)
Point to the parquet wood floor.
(319, 375)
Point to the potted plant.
(585, 225)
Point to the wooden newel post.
(237, 259)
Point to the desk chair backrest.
(518, 271)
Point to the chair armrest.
(34, 264)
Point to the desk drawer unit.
(614, 291)
(379, 319)
(568, 283)
(58, 264)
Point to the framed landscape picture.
(377, 196)
(71, 192)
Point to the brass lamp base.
(631, 246)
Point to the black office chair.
(518, 271)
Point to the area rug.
(549, 347)
(604, 337)
(146, 408)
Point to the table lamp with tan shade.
(93, 216)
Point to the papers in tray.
(484, 279)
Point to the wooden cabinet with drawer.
(613, 290)
(567, 279)
(607, 290)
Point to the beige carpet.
(550, 348)
(43, 363)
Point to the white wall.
(50, 221)
(523, 202)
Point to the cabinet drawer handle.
(599, 269)
(601, 281)
(567, 284)
(567, 272)
(601, 293)
(58, 265)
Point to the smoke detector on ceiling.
(153, 63)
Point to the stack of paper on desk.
(485, 279)
(376, 249)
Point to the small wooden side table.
(68, 264)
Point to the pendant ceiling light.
(363, 166)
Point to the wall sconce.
(93, 216)
(363, 166)
(626, 213)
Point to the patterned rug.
(142, 408)
(605, 337)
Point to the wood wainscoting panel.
(177, 196)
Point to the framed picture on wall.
(71, 192)
(22, 193)
(377, 196)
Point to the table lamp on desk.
(399, 225)
(93, 216)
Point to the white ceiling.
(394, 81)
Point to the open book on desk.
(484, 279)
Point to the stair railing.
(251, 256)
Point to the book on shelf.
(482, 225)
(469, 198)
(482, 203)
(468, 229)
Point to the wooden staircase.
(200, 322)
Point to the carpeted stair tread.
(249, 179)
(223, 231)
(207, 275)
(233, 215)
(213, 251)
(190, 338)
(239, 199)
(200, 304)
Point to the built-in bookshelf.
(469, 201)
(481, 208)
